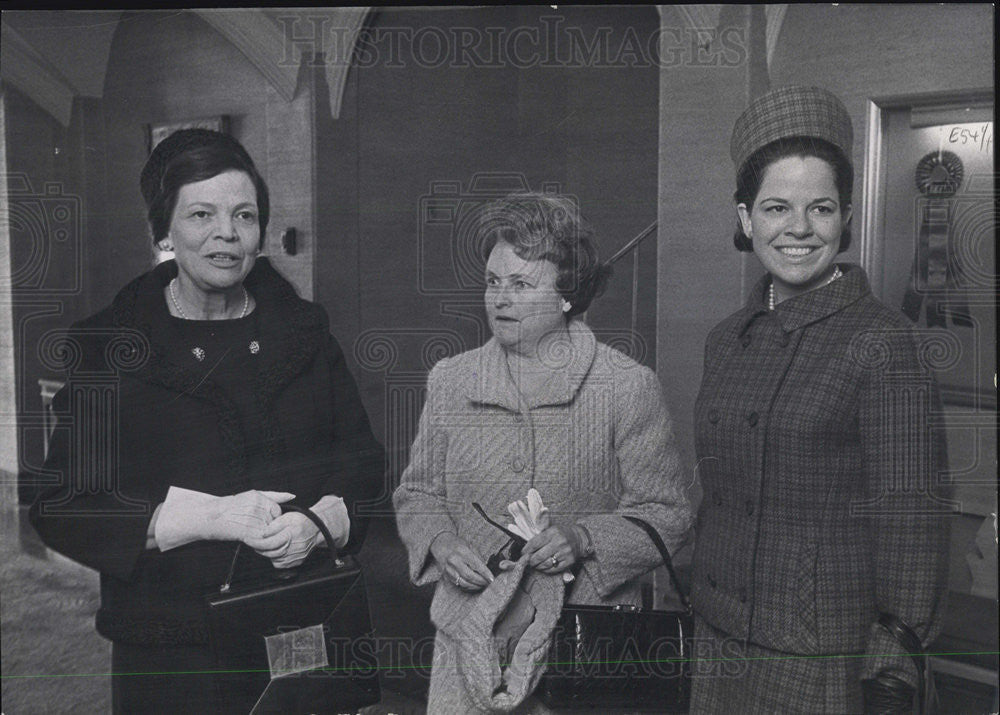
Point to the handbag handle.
(510, 534)
(908, 638)
(290, 573)
(654, 535)
(321, 525)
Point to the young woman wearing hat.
(229, 396)
(815, 447)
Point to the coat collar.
(291, 332)
(292, 327)
(809, 307)
(492, 384)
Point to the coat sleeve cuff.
(885, 654)
(423, 568)
(333, 511)
(174, 525)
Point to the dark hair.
(549, 226)
(751, 176)
(198, 163)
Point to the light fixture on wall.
(289, 241)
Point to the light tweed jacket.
(596, 443)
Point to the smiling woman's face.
(215, 232)
(796, 222)
(522, 302)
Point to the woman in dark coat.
(815, 446)
(203, 397)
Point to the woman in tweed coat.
(815, 446)
(542, 404)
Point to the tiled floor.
(53, 659)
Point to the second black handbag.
(302, 638)
(622, 657)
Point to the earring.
(566, 305)
(166, 246)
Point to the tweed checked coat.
(596, 442)
(819, 463)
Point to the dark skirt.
(174, 679)
(731, 676)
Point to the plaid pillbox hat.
(789, 112)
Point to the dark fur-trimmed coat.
(821, 464)
(132, 422)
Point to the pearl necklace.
(177, 305)
(770, 289)
(198, 352)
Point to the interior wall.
(408, 125)
(8, 405)
(699, 271)
(48, 217)
(163, 67)
(858, 51)
(169, 67)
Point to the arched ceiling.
(54, 56)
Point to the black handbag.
(886, 694)
(302, 638)
(622, 657)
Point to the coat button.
(517, 465)
(518, 417)
(752, 418)
(711, 581)
(749, 508)
(743, 595)
(784, 340)
(713, 416)
(717, 497)
(746, 340)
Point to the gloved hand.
(291, 537)
(333, 512)
(186, 516)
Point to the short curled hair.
(189, 156)
(751, 176)
(549, 226)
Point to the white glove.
(186, 516)
(290, 538)
(333, 512)
(532, 519)
(529, 519)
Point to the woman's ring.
(555, 561)
(457, 579)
